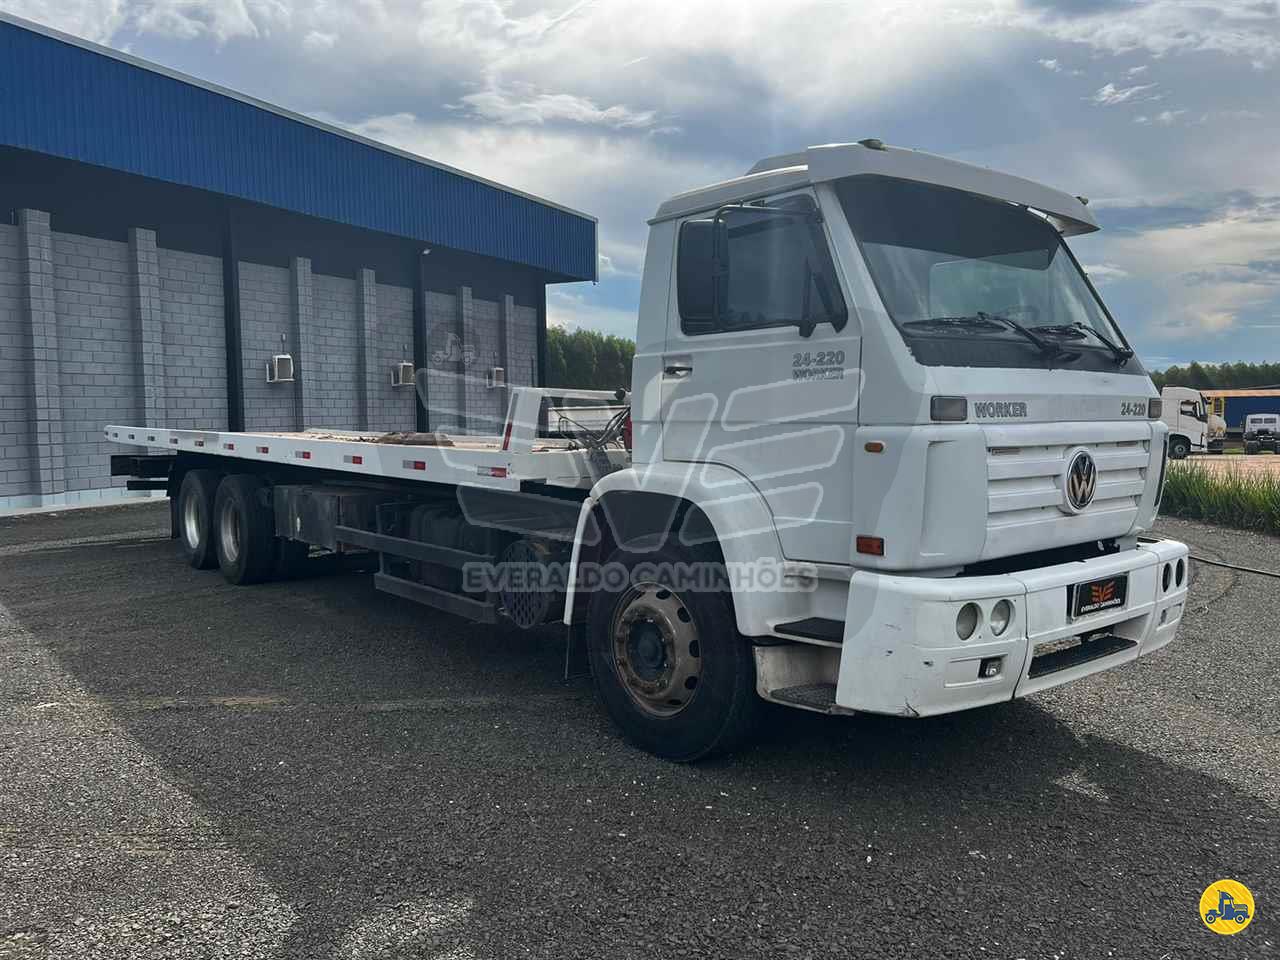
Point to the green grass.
(1228, 496)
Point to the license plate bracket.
(1096, 596)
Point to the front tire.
(1179, 448)
(670, 666)
(195, 518)
(245, 526)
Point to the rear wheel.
(195, 518)
(1250, 448)
(245, 526)
(670, 666)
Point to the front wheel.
(670, 666)
(1179, 448)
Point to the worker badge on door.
(1226, 906)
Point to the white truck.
(1192, 425)
(887, 451)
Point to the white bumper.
(901, 653)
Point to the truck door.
(761, 369)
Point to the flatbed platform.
(492, 462)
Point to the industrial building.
(176, 254)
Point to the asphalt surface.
(312, 770)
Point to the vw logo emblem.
(1081, 482)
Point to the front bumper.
(901, 654)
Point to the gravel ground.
(313, 770)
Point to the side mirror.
(702, 273)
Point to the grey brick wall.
(97, 331)
(17, 451)
(98, 353)
(331, 356)
(266, 316)
(445, 363)
(195, 340)
(486, 409)
(390, 341)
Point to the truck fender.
(741, 525)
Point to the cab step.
(810, 696)
(819, 630)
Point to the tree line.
(1219, 376)
(588, 360)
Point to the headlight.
(1001, 614)
(967, 620)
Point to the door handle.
(678, 369)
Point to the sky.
(1166, 114)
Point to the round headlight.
(967, 620)
(1001, 614)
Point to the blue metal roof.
(63, 96)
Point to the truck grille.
(1025, 490)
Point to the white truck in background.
(886, 451)
(1192, 425)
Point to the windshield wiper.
(1122, 354)
(994, 320)
(1050, 350)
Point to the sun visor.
(1068, 214)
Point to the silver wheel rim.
(229, 530)
(656, 649)
(193, 522)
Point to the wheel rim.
(193, 522)
(229, 531)
(656, 649)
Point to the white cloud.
(1238, 28)
(523, 105)
(1208, 274)
(1109, 95)
(1104, 272)
(1052, 65)
(1137, 71)
(96, 20)
(318, 41)
(222, 20)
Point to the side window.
(755, 266)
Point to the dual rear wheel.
(229, 522)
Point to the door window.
(756, 267)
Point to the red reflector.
(357, 460)
(303, 454)
(228, 446)
(419, 465)
(264, 449)
(626, 432)
(506, 435)
(871, 545)
(498, 472)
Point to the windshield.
(960, 273)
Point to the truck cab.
(885, 373)
(1191, 426)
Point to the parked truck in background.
(1192, 426)
(887, 451)
(1233, 405)
(1261, 430)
